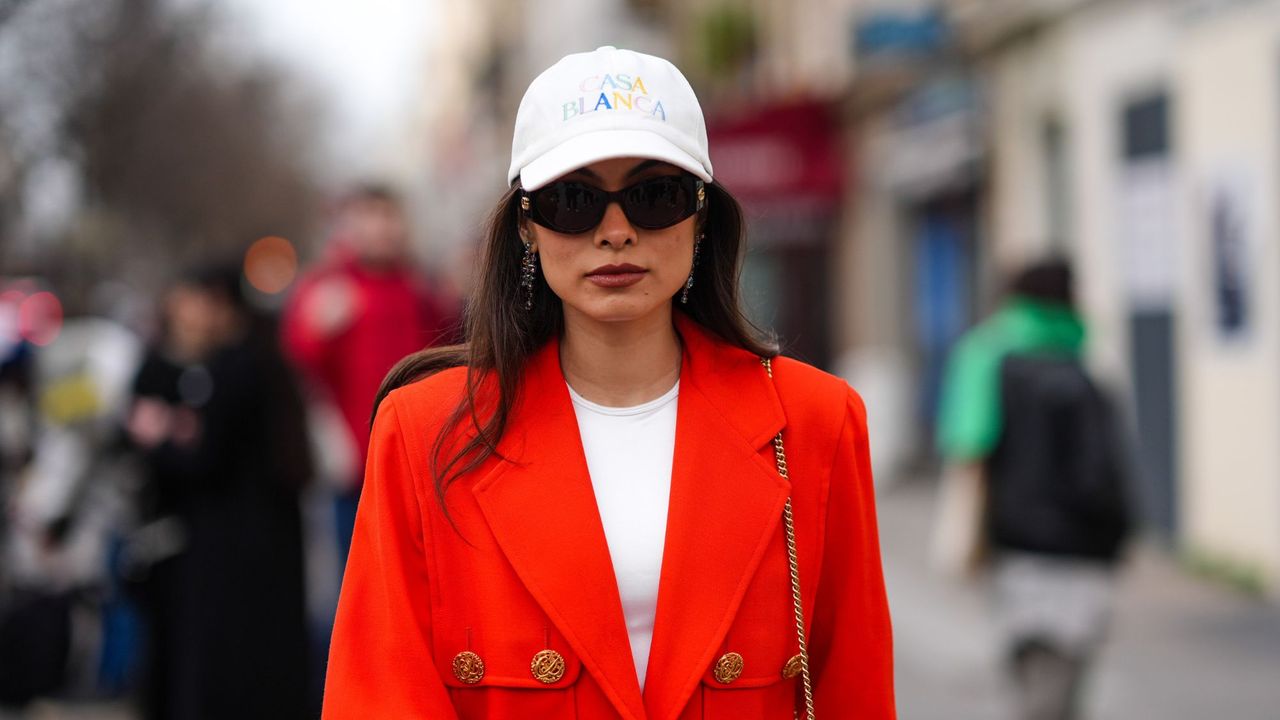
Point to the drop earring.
(688, 284)
(528, 271)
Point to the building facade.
(1139, 138)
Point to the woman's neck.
(620, 364)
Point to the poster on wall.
(1229, 231)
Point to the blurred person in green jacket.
(1034, 486)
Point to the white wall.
(1222, 73)
(872, 300)
(1024, 85)
(1110, 54)
(1228, 96)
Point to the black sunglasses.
(573, 207)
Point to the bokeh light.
(40, 318)
(271, 264)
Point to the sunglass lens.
(570, 207)
(658, 203)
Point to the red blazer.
(527, 569)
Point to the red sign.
(786, 154)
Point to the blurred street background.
(198, 194)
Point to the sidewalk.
(1182, 648)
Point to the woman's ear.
(526, 232)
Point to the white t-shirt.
(629, 454)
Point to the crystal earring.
(688, 284)
(528, 271)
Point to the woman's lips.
(616, 276)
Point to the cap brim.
(582, 150)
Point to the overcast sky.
(365, 58)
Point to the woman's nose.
(615, 229)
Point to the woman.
(220, 423)
(580, 512)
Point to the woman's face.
(191, 322)
(615, 272)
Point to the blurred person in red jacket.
(356, 314)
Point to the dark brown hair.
(1049, 280)
(370, 192)
(501, 334)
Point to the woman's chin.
(623, 309)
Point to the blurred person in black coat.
(220, 423)
(1037, 448)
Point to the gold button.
(468, 667)
(728, 668)
(547, 666)
(792, 667)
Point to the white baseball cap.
(606, 104)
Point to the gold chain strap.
(793, 561)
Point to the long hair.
(500, 334)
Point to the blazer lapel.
(726, 505)
(542, 511)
